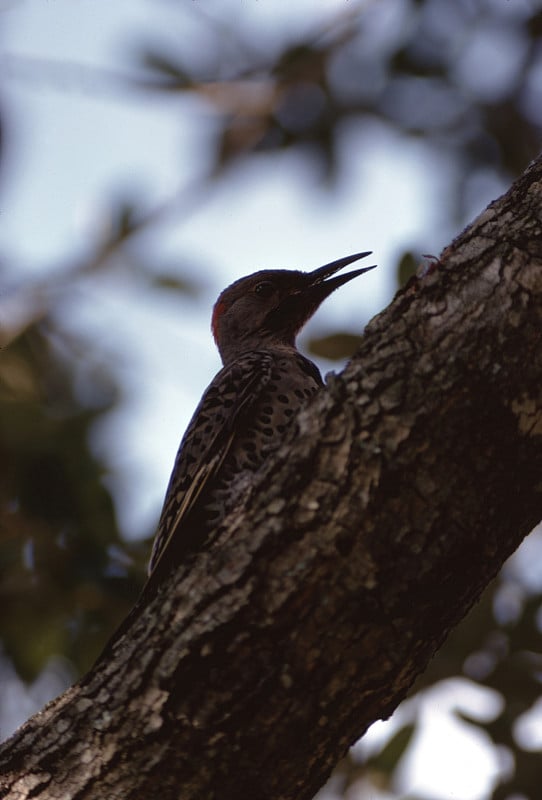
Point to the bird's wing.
(208, 439)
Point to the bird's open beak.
(317, 278)
(320, 283)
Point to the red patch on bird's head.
(218, 310)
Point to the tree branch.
(405, 486)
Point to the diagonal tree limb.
(405, 486)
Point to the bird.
(245, 412)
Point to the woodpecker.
(245, 412)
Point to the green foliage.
(387, 760)
(67, 579)
(335, 346)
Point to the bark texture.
(407, 483)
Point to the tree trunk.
(405, 486)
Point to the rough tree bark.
(406, 485)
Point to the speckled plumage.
(246, 410)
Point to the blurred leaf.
(534, 25)
(173, 282)
(388, 758)
(406, 268)
(59, 592)
(301, 62)
(166, 67)
(335, 346)
(415, 61)
(124, 220)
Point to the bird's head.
(269, 308)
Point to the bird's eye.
(264, 289)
